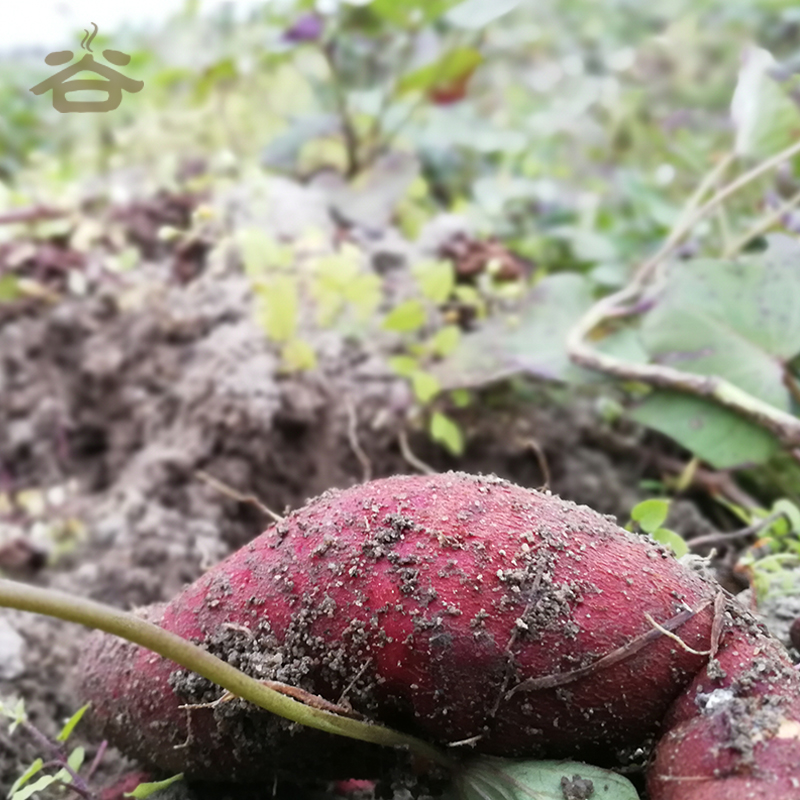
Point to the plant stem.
(784, 426)
(761, 226)
(686, 221)
(693, 212)
(59, 759)
(728, 536)
(57, 604)
(349, 133)
(734, 186)
(97, 759)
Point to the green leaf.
(9, 288)
(446, 432)
(789, 510)
(445, 340)
(461, 398)
(449, 67)
(672, 540)
(404, 366)
(222, 72)
(364, 293)
(738, 320)
(650, 514)
(146, 789)
(410, 11)
(529, 340)
(71, 723)
(26, 776)
(426, 387)
(340, 279)
(37, 786)
(490, 778)
(587, 245)
(764, 115)
(261, 253)
(718, 436)
(436, 279)
(278, 307)
(299, 355)
(406, 317)
(474, 14)
(75, 758)
(17, 715)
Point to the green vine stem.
(63, 606)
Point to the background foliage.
(631, 157)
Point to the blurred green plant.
(707, 348)
(649, 516)
(771, 561)
(66, 764)
(383, 63)
(582, 142)
(64, 768)
(343, 293)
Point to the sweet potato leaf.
(738, 320)
(490, 778)
(715, 434)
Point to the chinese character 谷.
(113, 85)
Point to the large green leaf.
(715, 434)
(738, 320)
(498, 779)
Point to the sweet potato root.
(452, 607)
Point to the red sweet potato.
(735, 733)
(450, 607)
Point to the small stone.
(11, 644)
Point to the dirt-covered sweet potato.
(449, 606)
(735, 733)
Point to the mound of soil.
(135, 395)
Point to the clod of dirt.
(576, 788)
